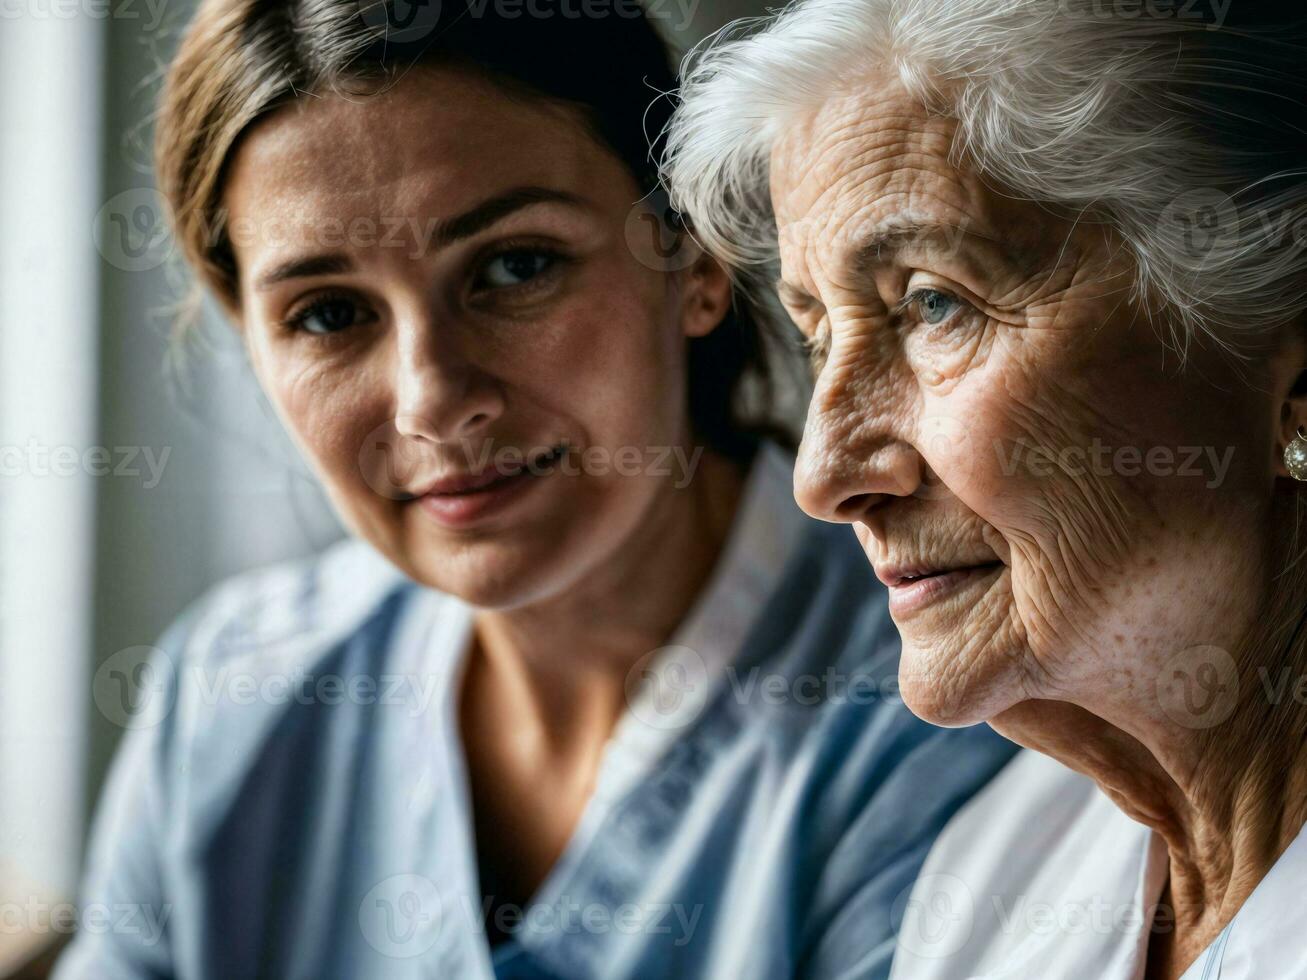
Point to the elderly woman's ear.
(1290, 378)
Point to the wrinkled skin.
(1027, 337)
(913, 424)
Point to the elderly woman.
(584, 694)
(1049, 258)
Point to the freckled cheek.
(1034, 479)
(957, 432)
(330, 414)
(618, 368)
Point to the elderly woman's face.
(1026, 464)
(438, 297)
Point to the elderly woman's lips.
(910, 592)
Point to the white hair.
(1186, 136)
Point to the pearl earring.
(1295, 456)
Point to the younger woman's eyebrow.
(470, 222)
(481, 216)
(304, 267)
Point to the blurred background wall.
(134, 473)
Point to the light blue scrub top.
(290, 799)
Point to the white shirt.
(1042, 877)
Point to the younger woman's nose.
(441, 393)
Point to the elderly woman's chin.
(955, 678)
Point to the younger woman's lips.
(911, 595)
(464, 482)
(465, 507)
(458, 510)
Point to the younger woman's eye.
(934, 306)
(327, 315)
(513, 268)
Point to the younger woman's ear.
(705, 296)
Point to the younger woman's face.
(437, 295)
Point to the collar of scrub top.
(666, 693)
(1264, 939)
(669, 689)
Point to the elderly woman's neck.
(1227, 809)
(1227, 799)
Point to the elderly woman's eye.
(933, 305)
(514, 268)
(325, 315)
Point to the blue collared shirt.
(290, 799)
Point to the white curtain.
(50, 70)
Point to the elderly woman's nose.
(440, 393)
(840, 477)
